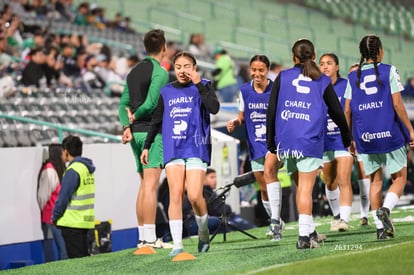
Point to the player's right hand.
(126, 136)
(144, 157)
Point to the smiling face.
(258, 72)
(182, 66)
(328, 66)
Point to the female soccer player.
(253, 100)
(337, 167)
(300, 99)
(183, 112)
(380, 127)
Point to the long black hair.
(55, 158)
(369, 47)
(304, 50)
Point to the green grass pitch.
(354, 252)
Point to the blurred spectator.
(53, 66)
(81, 15)
(224, 76)
(52, 13)
(52, 40)
(7, 66)
(49, 179)
(6, 13)
(7, 86)
(39, 8)
(37, 41)
(244, 74)
(17, 8)
(126, 25)
(197, 46)
(408, 88)
(62, 6)
(106, 70)
(116, 23)
(79, 42)
(89, 77)
(7, 61)
(34, 74)
(70, 68)
(14, 36)
(166, 61)
(190, 227)
(216, 207)
(132, 61)
(95, 18)
(275, 68)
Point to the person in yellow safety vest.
(74, 211)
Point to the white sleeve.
(348, 91)
(395, 81)
(241, 103)
(48, 182)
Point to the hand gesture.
(352, 149)
(193, 76)
(411, 143)
(231, 125)
(144, 157)
(126, 136)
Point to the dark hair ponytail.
(304, 50)
(369, 47)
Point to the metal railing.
(62, 128)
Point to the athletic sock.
(266, 206)
(391, 199)
(378, 223)
(176, 229)
(202, 223)
(333, 200)
(149, 233)
(141, 236)
(311, 225)
(364, 194)
(304, 224)
(345, 212)
(274, 192)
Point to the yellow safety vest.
(80, 212)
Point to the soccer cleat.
(343, 226)
(363, 221)
(203, 246)
(158, 244)
(384, 215)
(382, 234)
(275, 230)
(303, 242)
(335, 224)
(175, 252)
(317, 237)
